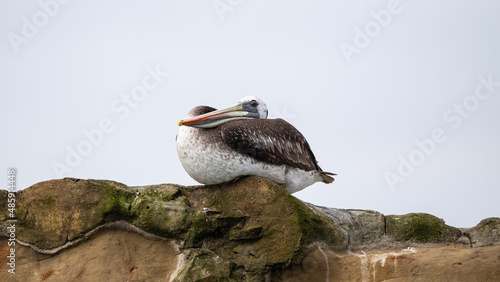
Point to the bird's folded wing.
(273, 141)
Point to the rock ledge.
(251, 229)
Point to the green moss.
(198, 230)
(161, 210)
(161, 192)
(419, 228)
(313, 226)
(116, 201)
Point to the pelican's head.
(248, 107)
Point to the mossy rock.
(420, 228)
(485, 233)
(160, 210)
(255, 222)
(237, 231)
(55, 212)
(244, 228)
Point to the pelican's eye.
(254, 103)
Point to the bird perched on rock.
(217, 146)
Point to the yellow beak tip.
(180, 123)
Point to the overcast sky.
(400, 98)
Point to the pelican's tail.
(325, 176)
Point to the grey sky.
(410, 68)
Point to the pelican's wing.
(273, 141)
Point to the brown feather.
(273, 141)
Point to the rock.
(251, 225)
(370, 229)
(486, 233)
(445, 263)
(420, 228)
(114, 254)
(53, 213)
(251, 229)
(364, 228)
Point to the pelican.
(217, 146)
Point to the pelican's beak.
(213, 119)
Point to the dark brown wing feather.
(273, 141)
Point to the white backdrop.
(400, 98)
